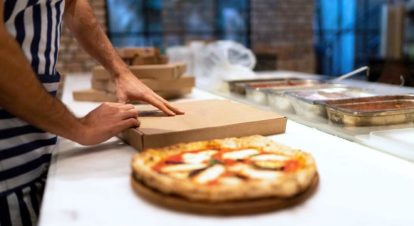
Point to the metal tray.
(257, 92)
(279, 101)
(239, 86)
(372, 111)
(312, 103)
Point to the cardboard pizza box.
(132, 52)
(100, 84)
(93, 95)
(174, 94)
(203, 120)
(145, 61)
(142, 56)
(160, 72)
(182, 83)
(163, 59)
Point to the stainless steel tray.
(258, 92)
(239, 86)
(279, 101)
(311, 103)
(372, 111)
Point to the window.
(166, 23)
(347, 34)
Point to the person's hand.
(129, 87)
(106, 121)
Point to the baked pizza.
(226, 170)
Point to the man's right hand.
(106, 121)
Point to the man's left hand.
(129, 88)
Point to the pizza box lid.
(183, 83)
(160, 72)
(131, 52)
(203, 120)
(94, 95)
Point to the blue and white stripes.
(36, 26)
(25, 151)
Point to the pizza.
(225, 170)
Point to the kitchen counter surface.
(358, 185)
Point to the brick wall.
(192, 14)
(71, 57)
(283, 28)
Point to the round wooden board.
(224, 208)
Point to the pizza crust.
(237, 207)
(284, 185)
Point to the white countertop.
(358, 185)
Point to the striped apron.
(25, 151)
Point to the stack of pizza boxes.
(166, 79)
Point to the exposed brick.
(284, 28)
(71, 57)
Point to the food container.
(279, 101)
(311, 103)
(239, 86)
(372, 111)
(257, 92)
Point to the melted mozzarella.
(210, 174)
(261, 174)
(198, 157)
(182, 167)
(241, 154)
(179, 175)
(251, 173)
(269, 157)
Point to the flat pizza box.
(178, 84)
(93, 95)
(203, 120)
(142, 56)
(159, 72)
(131, 52)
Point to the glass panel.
(165, 23)
(233, 20)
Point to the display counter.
(358, 185)
(393, 139)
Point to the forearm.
(80, 19)
(85, 27)
(22, 95)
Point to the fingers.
(160, 105)
(163, 105)
(169, 106)
(127, 107)
(129, 123)
(131, 113)
(119, 111)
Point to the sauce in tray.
(379, 106)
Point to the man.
(29, 41)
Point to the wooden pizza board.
(221, 208)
